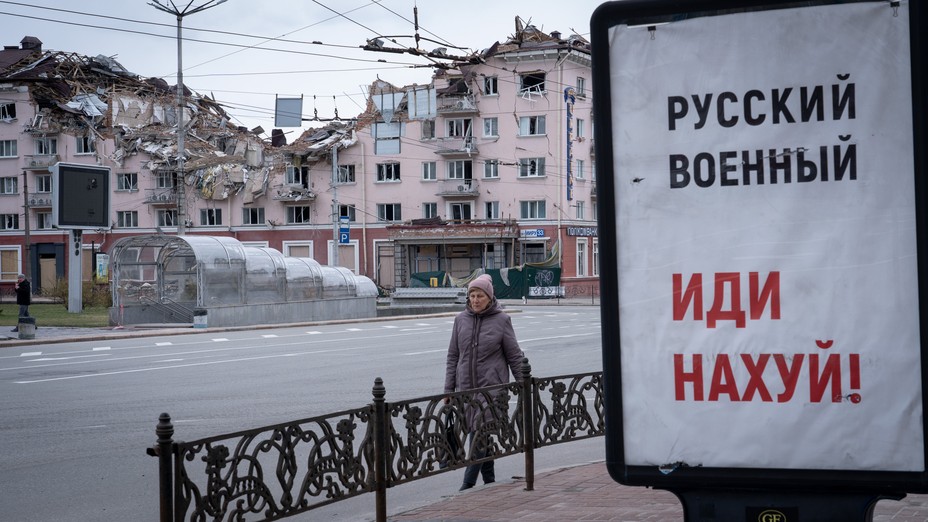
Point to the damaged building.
(488, 166)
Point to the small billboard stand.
(763, 226)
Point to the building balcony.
(161, 196)
(448, 105)
(457, 147)
(39, 161)
(457, 188)
(294, 194)
(40, 199)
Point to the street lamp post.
(168, 6)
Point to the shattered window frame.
(85, 144)
(428, 130)
(387, 138)
(430, 210)
(46, 146)
(8, 149)
(43, 183)
(298, 215)
(491, 208)
(164, 180)
(348, 211)
(461, 212)
(9, 185)
(253, 216)
(8, 111)
(491, 86)
(532, 126)
(210, 217)
(459, 127)
(491, 127)
(389, 212)
(532, 168)
(297, 175)
(43, 221)
(127, 219)
(346, 174)
(9, 221)
(532, 83)
(462, 170)
(388, 172)
(127, 181)
(532, 209)
(167, 218)
(491, 169)
(429, 171)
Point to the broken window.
(491, 85)
(461, 211)
(8, 149)
(7, 111)
(164, 180)
(428, 129)
(9, 185)
(9, 221)
(389, 212)
(491, 208)
(298, 215)
(127, 219)
(297, 176)
(532, 126)
(387, 137)
(347, 211)
(86, 145)
(490, 127)
(532, 83)
(127, 181)
(388, 172)
(460, 169)
(43, 220)
(253, 216)
(531, 167)
(346, 174)
(45, 146)
(167, 218)
(459, 128)
(210, 216)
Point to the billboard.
(80, 196)
(762, 220)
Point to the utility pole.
(163, 5)
(335, 213)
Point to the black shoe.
(489, 481)
(466, 486)
(15, 330)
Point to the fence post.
(380, 447)
(528, 423)
(163, 449)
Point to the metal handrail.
(285, 469)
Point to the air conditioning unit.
(163, 197)
(462, 188)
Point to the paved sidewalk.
(588, 493)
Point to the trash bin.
(199, 318)
(26, 327)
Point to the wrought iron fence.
(282, 470)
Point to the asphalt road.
(76, 418)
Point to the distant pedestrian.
(23, 296)
(482, 352)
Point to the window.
(595, 210)
(9, 263)
(297, 175)
(253, 216)
(7, 111)
(490, 127)
(167, 218)
(460, 169)
(429, 171)
(579, 174)
(298, 248)
(165, 180)
(533, 252)
(595, 257)
(388, 172)
(532, 83)
(459, 128)
(581, 128)
(581, 209)
(85, 145)
(127, 181)
(389, 212)
(492, 209)
(9, 185)
(9, 221)
(43, 220)
(127, 219)
(532, 126)
(581, 87)
(491, 169)
(347, 211)
(346, 174)
(429, 210)
(298, 215)
(428, 129)
(8, 149)
(532, 209)
(46, 146)
(491, 85)
(43, 183)
(387, 137)
(531, 167)
(210, 216)
(581, 257)
(461, 211)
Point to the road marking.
(44, 359)
(423, 324)
(166, 343)
(391, 326)
(167, 361)
(30, 354)
(101, 348)
(269, 336)
(220, 339)
(417, 329)
(353, 329)
(313, 332)
(427, 351)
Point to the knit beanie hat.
(483, 282)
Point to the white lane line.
(68, 358)
(313, 332)
(101, 348)
(269, 336)
(166, 343)
(427, 351)
(30, 354)
(390, 326)
(167, 361)
(417, 329)
(220, 340)
(353, 329)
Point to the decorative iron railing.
(285, 469)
